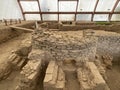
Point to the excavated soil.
(11, 82)
(72, 82)
(5, 51)
(69, 68)
(113, 76)
(11, 45)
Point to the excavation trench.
(72, 82)
(40, 85)
(105, 44)
(113, 77)
(6, 48)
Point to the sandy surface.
(114, 77)
(5, 50)
(11, 45)
(11, 82)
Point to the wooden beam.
(112, 12)
(94, 10)
(21, 9)
(36, 25)
(76, 9)
(20, 28)
(40, 10)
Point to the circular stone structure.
(70, 44)
(72, 57)
(108, 43)
(65, 44)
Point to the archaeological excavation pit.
(59, 56)
(59, 44)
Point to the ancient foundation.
(58, 58)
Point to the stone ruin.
(69, 60)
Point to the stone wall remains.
(63, 46)
(81, 26)
(110, 45)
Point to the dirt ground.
(69, 69)
(2, 24)
(72, 82)
(5, 50)
(11, 45)
(11, 82)
(114, 77)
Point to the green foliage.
(103, 23)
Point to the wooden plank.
(20, 28)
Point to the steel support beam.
(76, 9)
(40, 10)
(58, 12)
(21, 9)
(70, 13)
(58, 9)
(67, 0)
(28, 0)
(94, 10)
(112, 12)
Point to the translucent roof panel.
(86, 5)
(30, 6)
(65, 6)
(118, 7)
(100, 17)
(49, 5)
(105, 5)
(50, 16)
(84, 17)
(115, 17)
(32, 17)
(66, 17)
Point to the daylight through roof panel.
(50, 16)
(32, 17)
(101, 17)
(115, 17)
(30, 6)
(84, 17)
(66, 17)
(48, 5)
(105, 5)
(118, 7)
(67, 6)
(86, 5)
